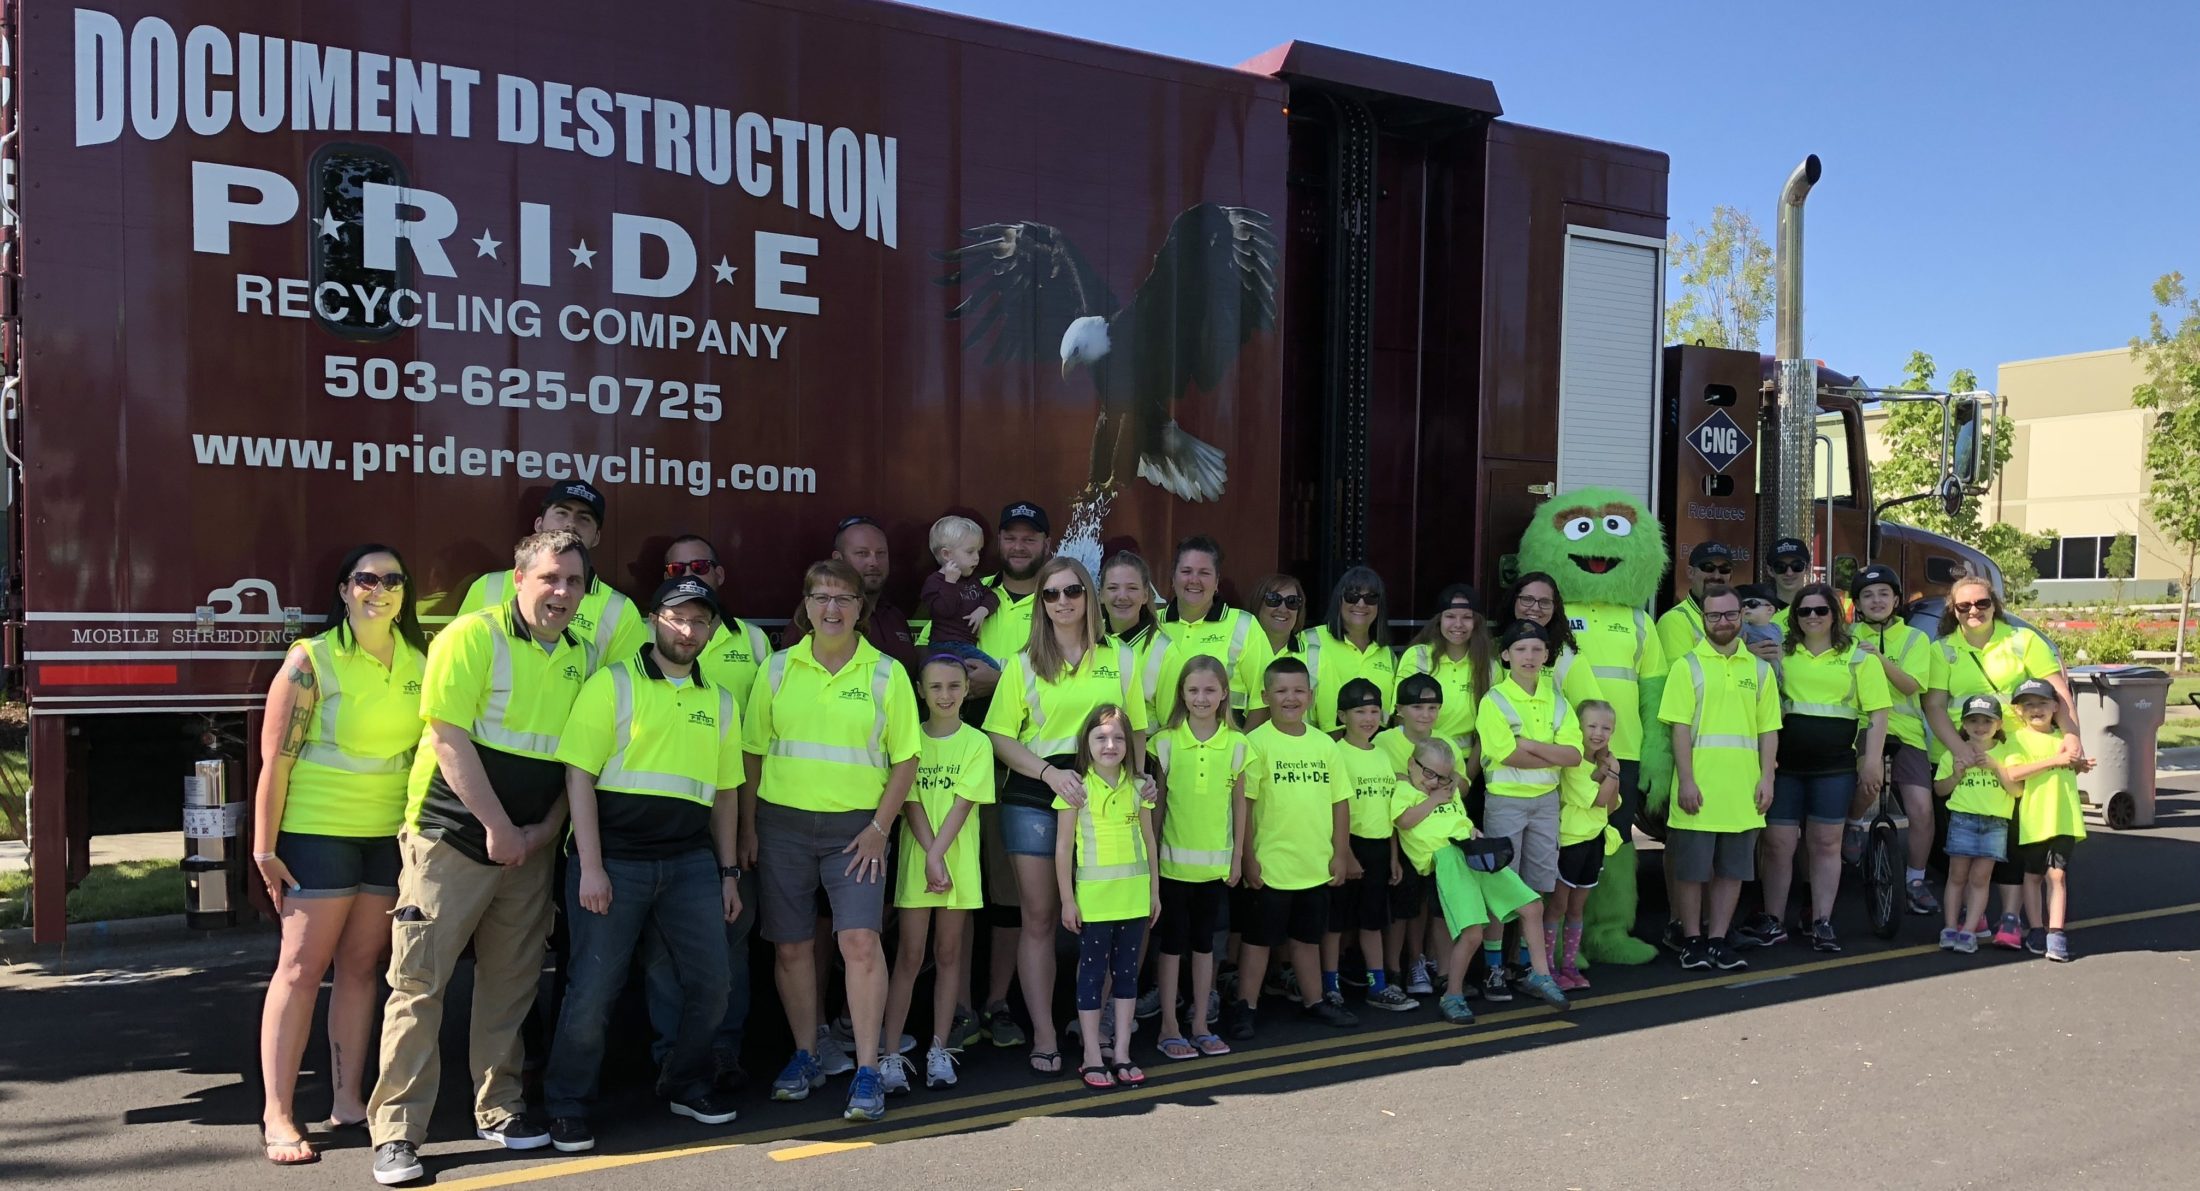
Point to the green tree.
(1725, 293)
(2012, 550)
(1912, 434)
(2169, 353)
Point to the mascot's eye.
(1618, 526)
(1577, 529)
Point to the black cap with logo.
(575, 491)
(1024, 510)
(1709, 552)
(686, 590)
(1791, 548)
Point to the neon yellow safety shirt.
(2010, 656)
(1510, 715)
(606, 622)
(1979, 791)
(1911, 652)
(1580, 819)
(1456, 675)
(1293, 784)
(1621, 647)
(1113, 875)
(1340, 662)
(1372, 777)
(1444, 824)
(1046, 717)
(735, 653)
(1199, 827)
(828, 739)
(1828, 697)
(1680, 629)
(1573, 677)
(1147, 650)
(1008, 630)
(350, 777)
(661, 750)
(1728, 701)
(951, 767)
(1397, 748)
(2050, 806)
(487, 674)
(1227, 633)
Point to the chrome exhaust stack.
(1798, 377)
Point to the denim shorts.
(1978, 835)
(339, 865)
(1027, 830)
(1817, 797)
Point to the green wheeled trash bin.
(2120, 709)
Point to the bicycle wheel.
(1882, 873)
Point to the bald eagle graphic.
(1027, 289)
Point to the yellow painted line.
(1163, 1081)
(818, 1149)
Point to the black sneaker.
(1724, 957)
(570, 1135)
(1330, 1013)
(396, 1162)
(516, 1132)
(710, 1108)
(728, 1079)
(1695, 954)
(1495, 988)
(1672, 939)
(1242, 1020)
(1762, 930)
(1821, 936)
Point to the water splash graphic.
(1081, 536)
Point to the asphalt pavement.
(1891, 1064)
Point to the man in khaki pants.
(487, 801)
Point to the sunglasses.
(1727, 569)
(1985, 605)
(1789, 568)
(1755, 605)
(694, 566)
(1276, 599)
(1814, 610)
(858, 519)
(1360, 597)
(1055, 595)
(368, 580)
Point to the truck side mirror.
(1971, 454)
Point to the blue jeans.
(678, 899)
(661, 981)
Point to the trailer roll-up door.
(1608, 361)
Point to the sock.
(1329, 983)
(1573, 943)
(1377, 979)
(1913, 874)
(1860, 824)
(1550, 943)
(1493, 954)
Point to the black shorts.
(1363, 903)
(1407, 896)
(339, 865)
(1281, 915)
(1579, 865)
(2036, 858)
(1191, 912)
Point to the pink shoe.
(2010, 934)
(1569, 978)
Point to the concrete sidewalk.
(15, 855)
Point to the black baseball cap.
(2034, 688)
(1024, 510)
(1791, 548)
(1459, 595)
(1756, 591)
(1875, 573)
(686, 590)
(1523, 630)
(575, 490)
(1419, 688)
(1707, 552)
(1359, 693)
(1985, 705)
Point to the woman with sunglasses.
(1453, 647)
(342, 722)
(1534, 598)
(1830, 687)
(1278, 606)
(1353, 641)
(1980, 652)
(1066, 670)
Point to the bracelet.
(1044, 770)
(262, 857)
(877, 828)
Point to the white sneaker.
(832, 1056)
(1149, 1004)
(1419, 977)
(939, 1065)
(893, 1075)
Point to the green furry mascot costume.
(1608, 554)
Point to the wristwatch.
(730, 870)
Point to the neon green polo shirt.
(1980, 792)
(1340, 662)
(660, 749)
(2010, 656)
(1621, 648)
(1199, 828)
(1443, 825)
(1580, 819)
(1510, 715)
(1008, 630)
(1372, 777)
(735, 653)
(1045, 716)
(828, 739)
(956, 766)
(1113, 875)
(1829, 696)
(1728, 700)
(2050, 805)
(1227, 633)
(1397, 748)
(350, 777)
(1292, 786)
(1456, 675)
(1147, 651)
(1911, 652)
(606, 622)
(1680, 629)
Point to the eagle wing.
(1024, 284)
(1212, 288)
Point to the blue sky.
(2002, 181)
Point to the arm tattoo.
(294, 736)
(301, 675)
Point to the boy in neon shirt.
(1528, 736)
(1363, 904)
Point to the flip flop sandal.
(1127, 1075)
(1176, 1047)
(293, 1148)
(332, 1125)
(1211, 1045)
(1046, 1062)
(1096, 1078)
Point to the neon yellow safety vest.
(349, 777)
(605, 620)
(1507, 781)
(651, 737)
(1199, 834)
(828, 739)
(1114, 876)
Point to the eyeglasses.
(1722, 617)
(1789, 568)
(1442, 777)
(833, 601)
(1813, 610)
(1985, 605)
(368, 580)
(1537, 603)
(1276, 599)
(1722, 570)
(1360, 597)
(1055, 595)
(693, 566)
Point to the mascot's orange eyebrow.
(1565, 515)
(1622, 510)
